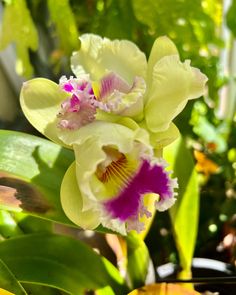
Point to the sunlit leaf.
(60, 262)
(63, 17)
(31, 171)
(105, 291)
(8, 226)
(163, 289)
(184, 214)
(230, 17)
(8, 282)
(18, 27)
(142, 8)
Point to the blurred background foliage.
(42, 34)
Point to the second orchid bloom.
(116, 114)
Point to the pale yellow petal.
(198, 83)
(162, 47)
(98, 56)
(40, 101)
(72, 203)
(104, 131)
(173, 83)
(159, 140)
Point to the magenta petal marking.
(74, 101)
(151, 178)
(112, 82)
(68, 87)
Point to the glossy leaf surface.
(184, 214)
(31, 171)
(8, 282)
(60, 262)
(18, 27)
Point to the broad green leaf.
(18, 27)
(184, 214)
(138, 260)
(63, 17)
(9, 282)
(34, 289)
(31, 171)
(60, 262)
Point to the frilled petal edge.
(173, 83)
(98, 56)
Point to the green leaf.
(60, 262)
(144, 8)
(105, 291)
(63, 17)
(9, 282)
(230, 17)
(138, 260)
(31, 224)
(31, 171)
(184, 214)
(18, 27)
(8, 225)
(34, 289)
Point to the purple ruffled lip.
(150, 178)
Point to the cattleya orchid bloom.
(115, 112)
(112, 80)
(114, 175)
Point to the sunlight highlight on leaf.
(31, 171)
(63, 17)
(60, 262)
(18, 27)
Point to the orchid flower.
(113, 79)
(116, 114)
(114, 177)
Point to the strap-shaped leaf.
(184, 214)
(60, 262)
(31, 171)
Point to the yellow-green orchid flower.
(113, 178)
(117, 115)
(156, 91)
(113, 80)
